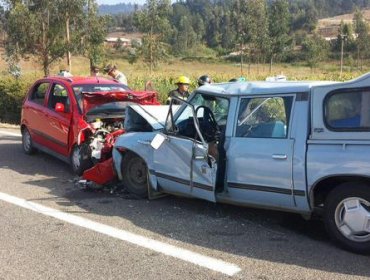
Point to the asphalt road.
(46, 243)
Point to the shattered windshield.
(203, 117)
(218, 105)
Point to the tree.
(315, 49)
(304, 15)
(94, 33)
(279, 23)
(257, 27)
(153, 21)
(239, 22)
(362, 32)
(183, 37)
(70, 10)
(50, 29)
(35, 29)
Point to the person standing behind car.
(182, 90)
(115, 74)
(204, 80)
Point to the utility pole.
(342, 38)
(241, 58)
(69, 63)
(88, 31)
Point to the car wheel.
(347, 216)
(135, 175)
(80, 159)
(27, 142)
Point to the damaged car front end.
(109, 121)
(181, 155)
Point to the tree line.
(258, 31)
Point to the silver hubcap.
(352, 217)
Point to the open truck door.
(182, 162)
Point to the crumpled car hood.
(93, 99)
(138, 117)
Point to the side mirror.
(59, 107)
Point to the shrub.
(12, 93)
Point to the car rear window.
(79, 89)
(348, 110)
(99, 88)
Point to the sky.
(112, 2)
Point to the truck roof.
(262, 87)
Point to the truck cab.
(276, 145)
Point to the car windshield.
(211, 114)
(79, 89)
(219, 107)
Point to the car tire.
(135, 175)
(80, 159)
(347, 216)
(27, 143)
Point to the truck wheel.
(134, 173)
(347, 216)
(27, 142)
(80, 159)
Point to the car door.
(33, 111)
(183, 162)
(57, 123)
(259, 157)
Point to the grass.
(164, 76)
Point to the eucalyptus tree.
(361, 29)
(279, 27)
(34, 28)
(315, 49)
(71, 10)
(51, 29)
(257, 30)
(95, 29)
(153, 21)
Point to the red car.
(77, 119)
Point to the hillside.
(328, 27)
(120, 8)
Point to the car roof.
(78, 80)
(261, 87)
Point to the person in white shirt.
(112, 71)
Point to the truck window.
(348, 110)
(264, 117)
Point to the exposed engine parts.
(102, 140)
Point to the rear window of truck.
(348, 110)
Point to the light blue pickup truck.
(302, 147)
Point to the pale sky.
(112, 2)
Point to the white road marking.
(10, 133)
(142, 241)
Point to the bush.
(12, 93)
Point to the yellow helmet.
(183, 80)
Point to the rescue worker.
(182, 90)
(203, 80)
(115, 74)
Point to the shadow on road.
(260, 234)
